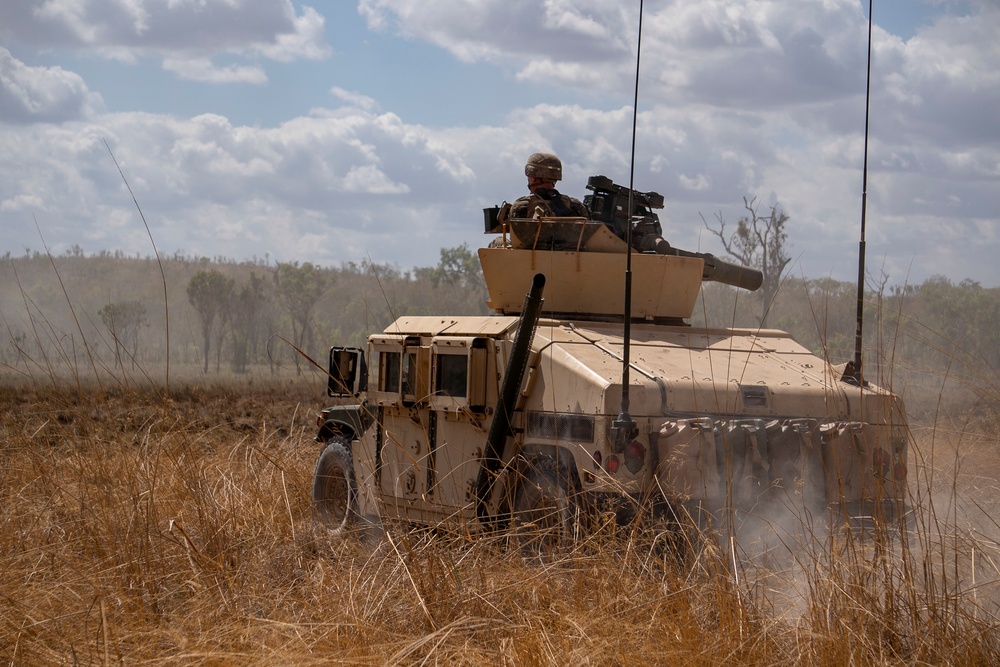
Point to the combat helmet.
(544, 165)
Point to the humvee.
(514, 418)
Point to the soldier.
(543, 170)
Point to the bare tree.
(758, 242)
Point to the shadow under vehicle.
(492, 422)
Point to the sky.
(378, 130)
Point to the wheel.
(546, 514)
(334, 492)
(672, 531)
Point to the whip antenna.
(624, 428)
(855, 372)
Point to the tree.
(958, 317)
(300, 287)
(458, 266)
(123, 320)
(457, 280)
(248, 307)
(758, 242)
(210, 293)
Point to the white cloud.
(176, 30)
(696, 182)
(358, 100)
(305, 40)
(230, 186)
(369, 179)
(23, 202)
(518, 30)
(202, 70)
(41, 94)
(948, 83)
(369, 184)
(728, 52)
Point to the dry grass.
(142, 529)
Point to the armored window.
(452, 377)
(459, 371)
(409, 374)
(478, 364)
(387, 352)
(389, 381)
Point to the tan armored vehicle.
(519, 416)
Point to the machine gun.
(609, 204)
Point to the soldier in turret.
(543, 171)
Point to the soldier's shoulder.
(521, 205)
(577, 206)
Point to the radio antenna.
(624, 429)
(854, 374)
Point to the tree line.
(222, 316)
(233, 316)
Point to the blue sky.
(342, 131)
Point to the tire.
(546, 512)
(334, 491)
(673, 532)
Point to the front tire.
(545, 508)
(334, 491)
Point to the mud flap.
(848, 449)
(743, 467)
(796, 473)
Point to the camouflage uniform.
(548, 203)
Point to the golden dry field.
(146, 527)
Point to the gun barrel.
(728, 273)
(513, 377)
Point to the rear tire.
(546, 514)
(334, 491)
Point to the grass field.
(143, 528)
